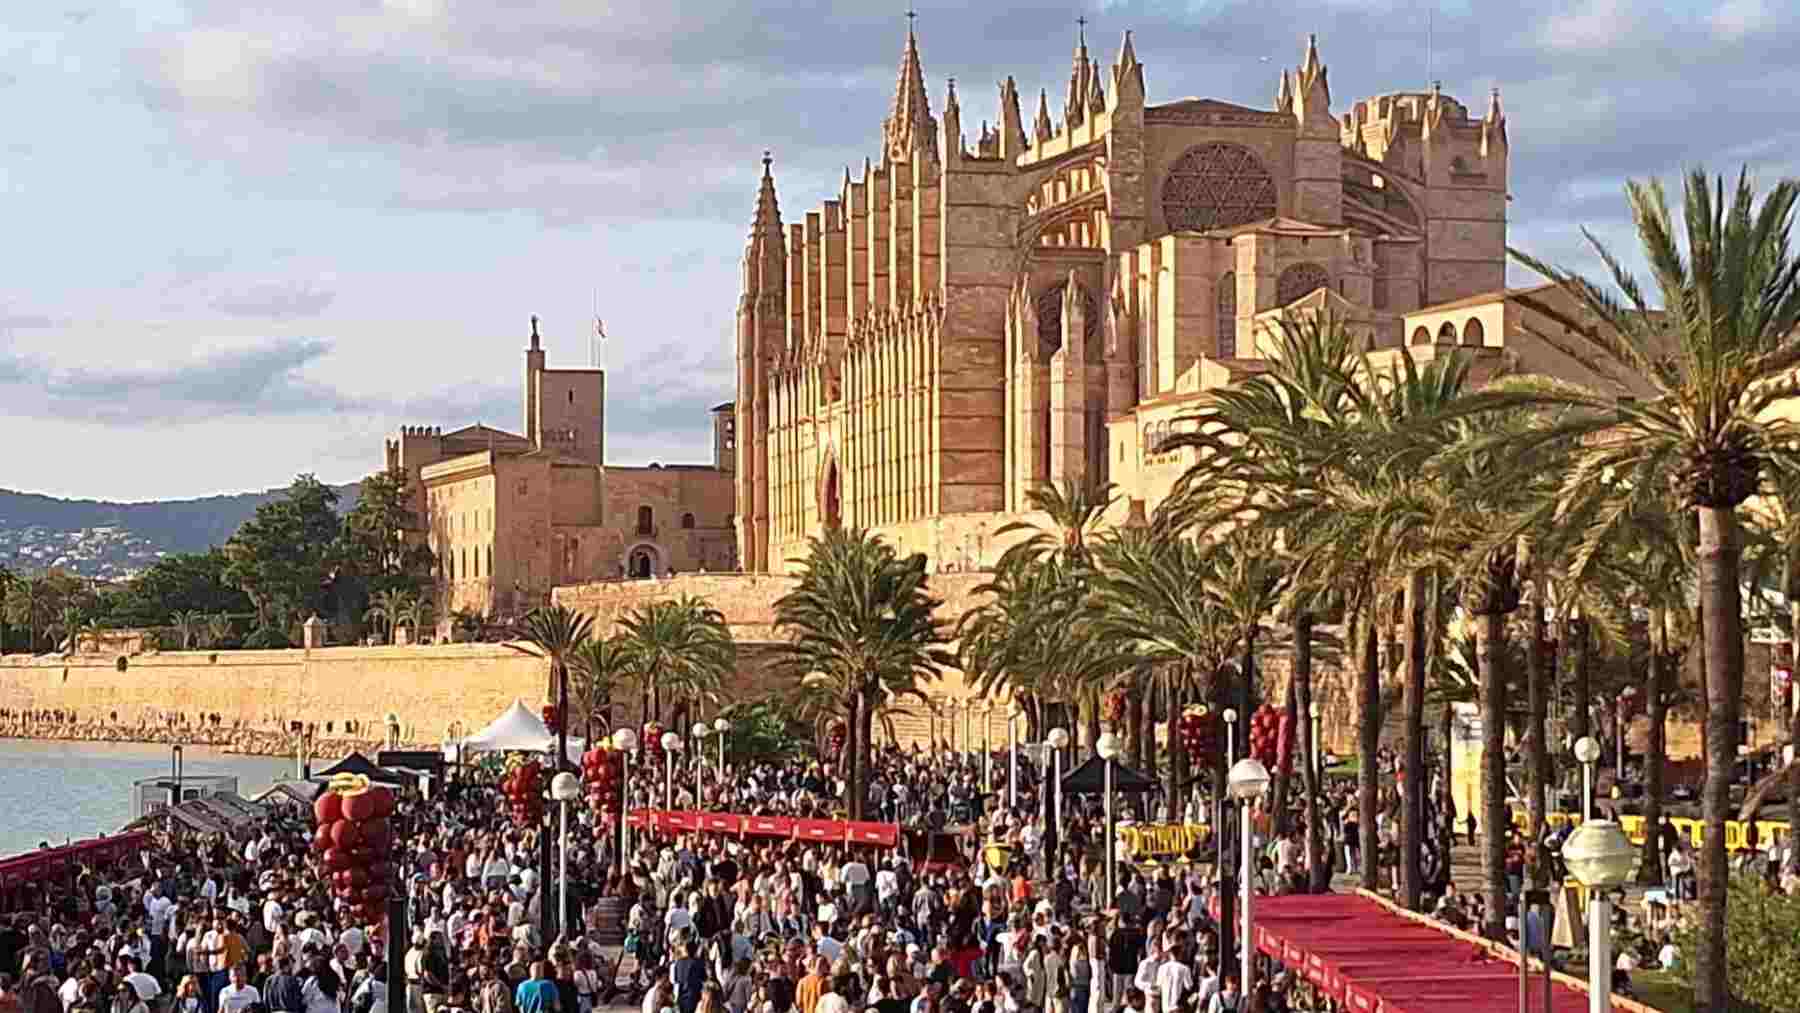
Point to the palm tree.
(28, 604)
(861, 625)
(218, 629)
(1718, 354)
(7, 580)
(188, 624)
(554, 632)
(385, 611)
(68, 627)
(1267, 448)
(415, 613)
(597, 666)
(681, 645)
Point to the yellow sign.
(1694, 831)
(1160, 841)
(348, 784)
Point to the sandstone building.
(962, 323)
(510, 516)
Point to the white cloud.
(1736, 19)
(1590, 24)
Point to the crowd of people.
(244, 923)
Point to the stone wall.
(429, 688)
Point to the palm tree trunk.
(1489, 639)
(1179, 761)
(1091, 712)
(855, 743)
(1793, 727)
(1722, 648)
(1368, 745)
(1446, 810)
(656, 700)
(1172, 749)
(1582, 689)
(1137, 706)
(1412, 824)
(1283, 771)
(1537, 759)
(1655, 748)
(1318, 870)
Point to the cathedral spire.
(1493, 125)
(534, 333)
(1012, 124)
(1284, 94)
(767, 255)
(1312, 66)
(1075, 106)
(1128, 75)
(1042, 128)
(910, 127)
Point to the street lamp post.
(1059, 738)
(1599, 856)
(720, 727)
(1230, 736)
(1587, 751)
(1317, 713)
(1221, 853)
(987, 750)
(701, 731)
(564, 788)
(1108, 747)
(671, 744)
(968, 712)
(625, 741)
(1246, 782)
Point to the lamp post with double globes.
(1108, 747)
(701, 731)
(1221, 830)
(1246, 782)
(1059, 740)
(625, 741)
(564, 788)
(1600, 857)
(671, 744)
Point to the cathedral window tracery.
(1049, 314)
(1217, 185)
(1300, 280)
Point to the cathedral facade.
(962, 323)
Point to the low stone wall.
(145, 697)
(248, 741)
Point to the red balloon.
(346, 834)
(321, 842)
(358, 877)
(336, 858)
(327, 808)
(377, 827)
(359, 807)
(384, 801)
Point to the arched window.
(1447, 334)
(1300, 280)
(646, 524)
(1217, 185)
(1421, 336)
(490, 561)
(477, 573)
(450, 566)
(1225, 326)
(687, 521)
(1473, 333)
(464, 553)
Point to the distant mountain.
(94, 538)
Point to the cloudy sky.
(245, 239)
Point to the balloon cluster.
(352, 841)
(1265, 735)
(1202, 733)
(524, 789)
(836, 734)
(601, 772)
(651, 740)
(1112, 706)
(552, 717)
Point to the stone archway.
(643, 562)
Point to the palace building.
(979, 311)
(510, 516)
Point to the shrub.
(266, 638)
(1762, 948)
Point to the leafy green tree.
(218, 630)
(1762, 948)
(597, 667)
(286, 551)
(381, 546)
(29, 603)
(555, 632)
(385, 611)
(417, 615)
(183, 582)
(7, 580)
(1716, 356)
(861, 626)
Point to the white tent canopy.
(517, 730)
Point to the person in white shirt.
(353, 939)
(146, 985)
(1173, 980)
(272, 914)
(238, 996)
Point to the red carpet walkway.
(1375, 959)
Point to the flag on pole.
(599, 348)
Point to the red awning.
(818, 830)
(34, 865)
(769, 826)
(886, 834)
(723, 823)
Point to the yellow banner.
(1160, 841)
(1692, 830)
